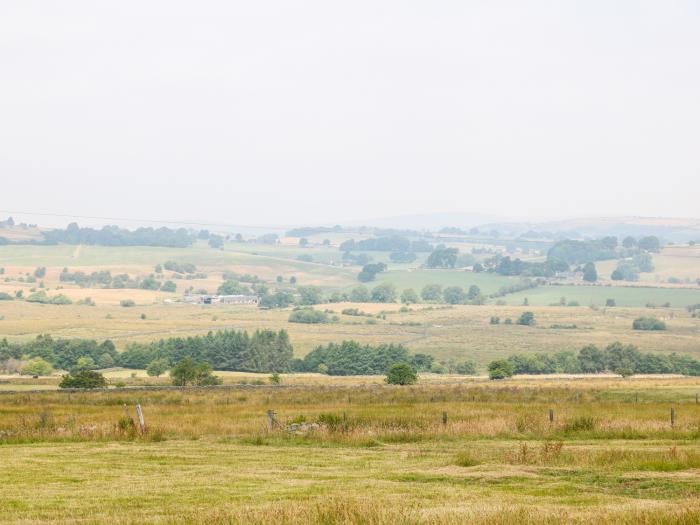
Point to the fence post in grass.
(139, 414)
(271, 419)
(673, 417)
(551, 416)
(696, 398)
(444, 418)
(636, 397)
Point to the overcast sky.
(281, 112)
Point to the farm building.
(221, 299)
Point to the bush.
(37, 367)
(168, 286)
(83, 379)
(527, 319)
(308, 316)
(191, 372)
(467, 368)
(157, 367)
(401, 374)
(127, 303)
(500, 369)
(5, 297)
(648, 323)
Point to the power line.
(167, 221)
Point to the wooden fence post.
(444, 418)
(139, 414)
(673, 417)
(271, 419)
(551, 416)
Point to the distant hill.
(428, 221)
(670, 229)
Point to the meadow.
(446, 332)
(361, 453)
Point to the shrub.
(157, 367)
(467, 368)
(500, 369)
(526, 319)
(127, 303)
(168, 286)
(191, 372)
(37, 367)
(308, 316)
(83, 379)
(648, 323)
(5, 296)
(401, 374)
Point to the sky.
(318, 112)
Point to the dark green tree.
(401, 374)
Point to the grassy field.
(417, 279)
(369, 454)
(629, 296)
(460, 332)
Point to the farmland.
(374, 454)
(451, 449)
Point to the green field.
(627, 296)
(488, 282)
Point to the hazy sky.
(281, 112)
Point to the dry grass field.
(368, 454)
(457, 332)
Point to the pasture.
(361, 454)
(446, 332)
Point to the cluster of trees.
(442, 257)
(105, 279)
(116, 236)
(434, 293)
(351, 358)
(65, 354)
(263, 351)
(524, 284)
(42, 297)
(308, 316)
(629, 269)
(369, 272)
(616, 357)
(231, 287)
(177, 267)
(580, 252)
(648, 323)
(507, 266)
(308, 231)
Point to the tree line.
(116, 236)
(263, 351)
(617, 358)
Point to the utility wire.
(189, 223)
